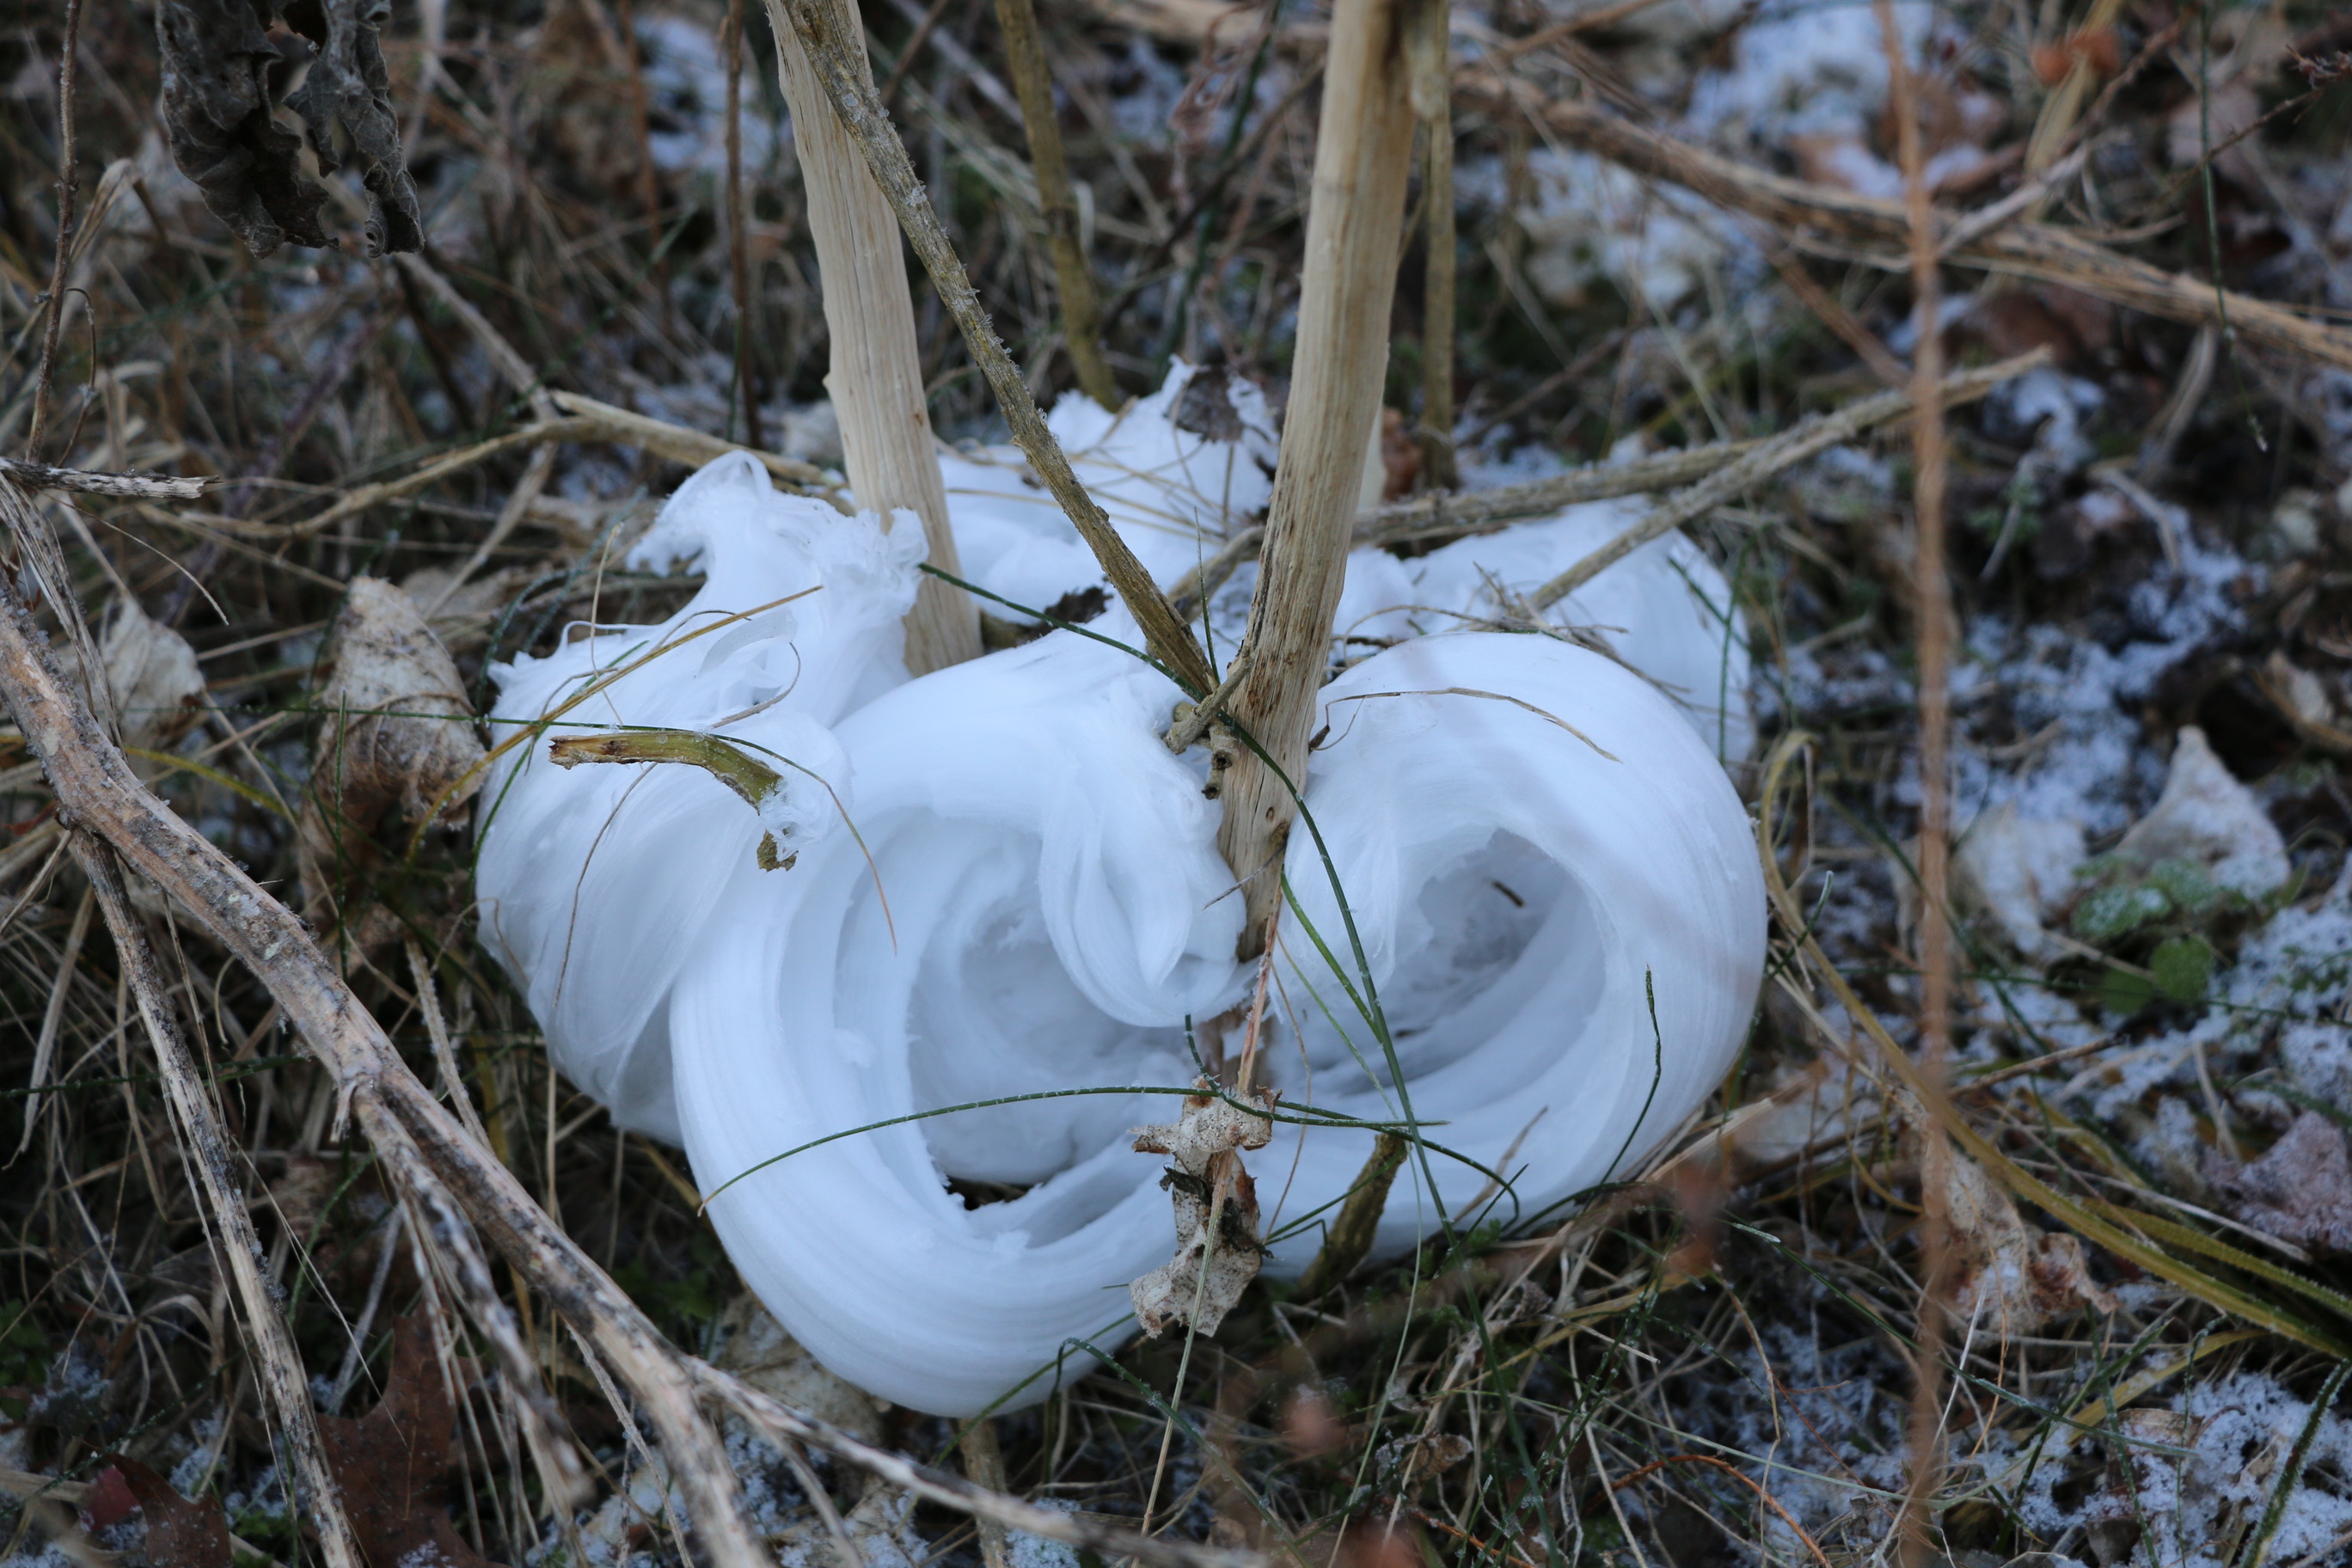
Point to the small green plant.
(2161, 919)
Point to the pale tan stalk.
(876, 379)
(1364, 144)
(1931, 591)
(1024, 51)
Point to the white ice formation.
(1181, 471)
(1551, 885)
(595, 882)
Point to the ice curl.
(1538, 929)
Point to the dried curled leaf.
(2009, 1276)
(222, 74)
(1218, 1247)
(152, 676)
(348, 85)
(398, 736)
(219, 62)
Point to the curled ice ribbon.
(1530, 850)
(594, 883)
(1526, 843)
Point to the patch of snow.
(1804, 67)
(1589, 219)
(686, 82)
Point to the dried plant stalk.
(876, 379)
(1851, 222)
(1766, 459)
(1073, 275)
(1433, 104)
(1354, 228)
(1932, 593)
(825, 35)
(738, 238)
(234, 1241)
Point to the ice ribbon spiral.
(1530, 841)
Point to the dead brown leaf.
(2008, 1276)
(2301, 1191)
(180, 1533)
(392, 1465)
(151, 676)
(1214, 1262)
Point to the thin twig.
(1768, 457)
(1431, 46)
(1769, 1501)
(738, 238)
(153, 487)
(1849, 223)
(234, 1241)
(1932, 594)
(1024, 51)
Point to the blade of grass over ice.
(1300, 1116)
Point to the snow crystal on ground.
(2190, 1509)
(2096, 768)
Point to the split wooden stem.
(1354, 221)
(876, 379)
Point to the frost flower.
(1527, 917)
